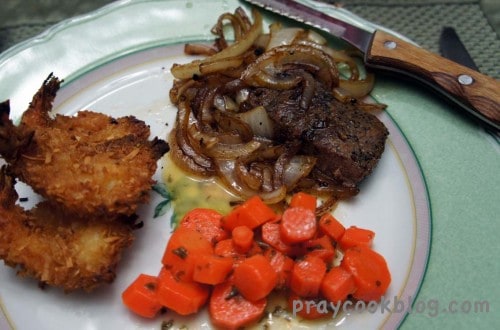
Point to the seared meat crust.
(347, 141)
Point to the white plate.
(116, 60)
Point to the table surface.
(478, 25)
(477, 22)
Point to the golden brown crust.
(88, 163)
(93, 171)
(58, 248)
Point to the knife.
(452, 48)
(476, 93)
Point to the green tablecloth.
(421, 20)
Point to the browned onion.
(199, 49)
(217, 133)
(351, 88)
(259, 122)
(200, 163)
(231, 151)
(226, 172)
(186, 71)
(305, 56)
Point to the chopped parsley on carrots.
(231, 263)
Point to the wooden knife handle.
(478, 92)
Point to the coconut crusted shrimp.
(58, 248)
(89, 163)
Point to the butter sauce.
(188, 192)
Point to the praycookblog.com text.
(431, 307)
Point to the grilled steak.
(349, 141)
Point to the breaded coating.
(57, 248)
(88, 163)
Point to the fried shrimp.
(88, 163)
(58, 248)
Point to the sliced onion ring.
(349, 88)
(304, 55)
(186, 71)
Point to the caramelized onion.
(229, 177)
(185, 143)
(186, 71)
(199, 49)
(231, 151)
(297, 168)
(306, 57)
(259, 122)
(350, 88)
(221, 131)
(282, 37)
(220, 65)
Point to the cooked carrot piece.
(230, 310)
(205, 221)
(226, 248)
(212, 269)
(236, 261)
(183, 246)
(331, 227)
(242, 238)
(354, 236)
(255, 278)
(308, 308)
(184, 298)
(282, 265)
(302, 199)
(321, 247)
(307, 275)
(297, 225)
(337, 285)
(252, 213)
(255, 249)
(370, 272)
(271, 235)
(140, 296)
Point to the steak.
(348, 142)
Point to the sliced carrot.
(255, 278)
(184, 298)
(354, 236)
(370, 272)
(230, 310)
(252, 213)
(302, 199)
(282, 265)
(297, 225)
(242, 238)
(321, 247)
(271, 235)
(183, 246)
(309, 308)
(307, 275)
(337, 285)
(212, 269)
(226, 248)
(207, 222)
(330, 226)
(141, 297)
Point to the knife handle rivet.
(389, 44)
(465, 79)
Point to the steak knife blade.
(475, 92)
(452, 48)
